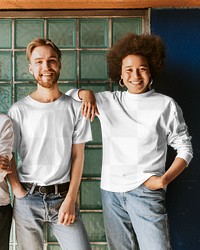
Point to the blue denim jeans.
(33, 211)
(136, 219)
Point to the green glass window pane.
(5, 66)
(5, 33)
(99, 246)
(96, 87)
(121, 26)
(90, 196)
(22, 90)
(93, 65)
(50, 236)
(53, 247)
(26, 30)
(96, 132)
(62, 32)
(116, 86)
(93, 162)
(5, 97)
(93, 33)
(94, 226)
(68, 69)
(64, 87)
(21, 67)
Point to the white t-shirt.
(136, 129)
(44, 134)
(6, 143)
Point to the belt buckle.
(43, 190)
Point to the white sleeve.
(178, 136)
(6, 137)
(14, 115)
(74, 94)
(6, 140)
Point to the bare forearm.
(157, 182)
(175, 169)
(14, 181)
(67, 210)
(76, 172)
(83, 93)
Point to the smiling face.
(135, 73)
(45, 66)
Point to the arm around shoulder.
(89, 107)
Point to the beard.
(47, 82)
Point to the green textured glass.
(50, 236)
(5, 97)
(90, 196)
(64, 87)
(53, 247)
(21, 67)
(68, 69)
(93, 33)
(99, 247)
(121, 26)
(5, 66)
(96, 132)
(93, 65)
(5, 33)
(93, 162)
(94, 226)
(22, 90)
(27, 30)
(116, 86)
(96, 87)
(62, 32)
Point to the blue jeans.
(136, 219)
(33, 211)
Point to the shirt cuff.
(74, 94)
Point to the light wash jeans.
(136, 219)
(34, 210)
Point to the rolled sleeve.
(74, 94)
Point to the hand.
(154, 182)
(5, 165)
(89, 107)
(20, 192)
(66, 215)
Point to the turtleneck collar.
(139, 96)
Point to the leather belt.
(55, 189)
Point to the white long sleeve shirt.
(6, 143)
(136, 130)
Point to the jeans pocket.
(152, 190)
